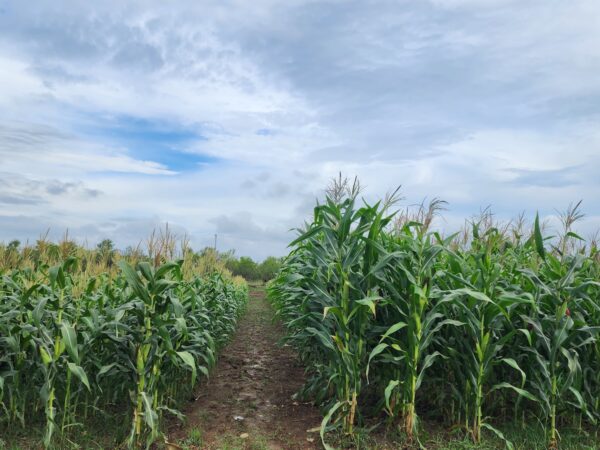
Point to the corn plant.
(338, 302)
(479, 294)
(74, 347)
(413, 317)
(558, 333)
(491, 325)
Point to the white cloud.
(40, 150)
(478, 102)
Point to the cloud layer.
(230, 117)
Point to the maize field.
(496, 325)
(130, 341)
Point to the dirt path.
(247, 401)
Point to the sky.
(230, 117)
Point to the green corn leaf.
(46, 358)
(57, 277)
(313, 231)
(189, 360)
(325, 422)
(104, 370)
(539, 240)
(391, 330)
(134, 281)
(376, 351)
(38, 311)
(204, 370)
(512, 363)
(370, 302)
(150, 416)
(165, 269)
(70, 340)
(575, 235)
(326, 340)
(521, 392)
(509, 444)
(79, 373)
(388, 392)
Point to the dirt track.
(247, 403)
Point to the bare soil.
(248, 401)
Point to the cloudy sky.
(229, 117)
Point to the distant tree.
(269, 268)
(106, 251)
(14, 245)
(106, 246)
(247, 268)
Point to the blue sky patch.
(265, 132)
(158, 141)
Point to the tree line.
(251, 270)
